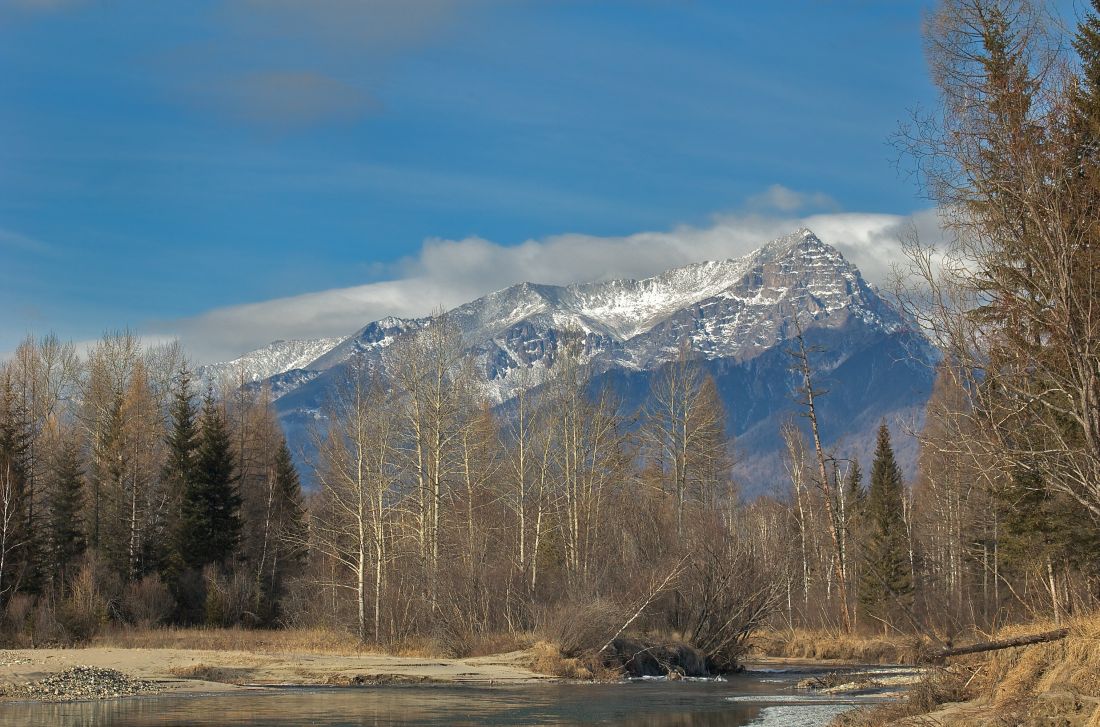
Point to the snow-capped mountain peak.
(731, 309)
(736, 314)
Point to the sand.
(184, 670)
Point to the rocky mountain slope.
(738, 315)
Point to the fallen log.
(1001, 644)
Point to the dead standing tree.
(809, 395)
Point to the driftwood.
(1001, 644)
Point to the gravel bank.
(81, 682)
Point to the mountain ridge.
(731, 312)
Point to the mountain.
(275, 358)
(739, 316)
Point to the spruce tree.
(66, 502)
(854, 494)
(288, 550)
(209, 525)
(1086, 96)
(292, 511)
(179, 467)
(886, 578)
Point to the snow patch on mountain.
(730, 309)
(276, 358)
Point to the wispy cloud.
(12, 240)
(39, 5)
(293, 64)
(450, 272)
(284, 100)
(362, 26)
(778, 198)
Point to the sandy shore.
(186, 670)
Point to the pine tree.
(854, 494)
(855, 503)
(886, 579)
(66, 501)
(1086, 96)
(288, 532)
(179, 467)
(292, 511)
(210, 525)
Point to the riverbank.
(204, 670)
(1040, 684)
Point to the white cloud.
(450, 272)
(778, 198)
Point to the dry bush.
(90, 603)
(230, 597)
(499, 643)
(581, 627)
(546, 658)
(147, 602)
(727, 595)
(16, 615)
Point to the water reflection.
(648, 705)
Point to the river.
(761, 698)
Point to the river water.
(760, 698)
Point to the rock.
(83, 682)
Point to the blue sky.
(173, 166)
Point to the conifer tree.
(854, 494)
(179, 468)
(66, 501)
(292, 511)
(1086, 96)
(288, 536)
(886, 579)
(210, 525)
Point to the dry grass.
(206, 673)
(1051, 683)
(547, 658)
(1047, 678)
(283, 641)
(821, 645)
(316, 641)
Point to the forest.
(131, 496)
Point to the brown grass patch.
(938, 687)
(819, 645)
(315, 641)
(1051, 683)
(208, 673)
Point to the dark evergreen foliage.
(66, 503)
(1042, 526)
(886, 578)
(209, 525)
(287, 547)
(182, 440)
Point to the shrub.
(147, 602)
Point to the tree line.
(127, 495)
(124, 498)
